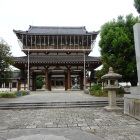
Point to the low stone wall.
(132, 105)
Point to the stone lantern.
(111, 84)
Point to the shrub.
(100, 93)
(120, 91)
(96, 87)
(12, 95)
(97, 90)
(7, 95)
(21, 91)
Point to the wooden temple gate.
(56, 51)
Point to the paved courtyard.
(54, 96)
(67, 124)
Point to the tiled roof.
(56, 58)
(17, 74)
(56, 30)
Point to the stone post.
(132, 101)
(112, 97)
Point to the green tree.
(117, 48)
(5, 61)
(137, 5)
(39, 81)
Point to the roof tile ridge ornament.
(84, 28)
(30, 28)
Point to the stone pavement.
(69, 123)
(66, 123)
(54, 96)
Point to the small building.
(17, 82)
(58, 54)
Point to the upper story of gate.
(56, 39)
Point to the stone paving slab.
(40, 137)
(49, 134)
(60, 122)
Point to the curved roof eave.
(26, 33)
(57, 58)
(19, 31)
(54, 30)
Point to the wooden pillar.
(70, 42)
(74, 42)
(91, 41)
(35, 43)
(48, 40)
(34, 82)
(65, 41)
(40, 41)
(54, 82)
(61, 42)
(47, 80)
(69, 79)
(18, 86)
(31, 41)
(78, 42)
(24, 86)
(81, 81)
(31, 80)
(53, 42)
(66, 81)
(57, 41)
(63, 82)
(87, 42)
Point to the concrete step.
(42, 105)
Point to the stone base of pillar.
(132, 105)
(135, 90)
(112, 108)
(68, 89)
(46, 89)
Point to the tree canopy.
(137, 5)
(117, 48)
(5, 61)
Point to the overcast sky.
(19, 14)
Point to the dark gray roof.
(17, 74)
(56, 58)
(56, 30)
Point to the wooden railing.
(58, 47)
